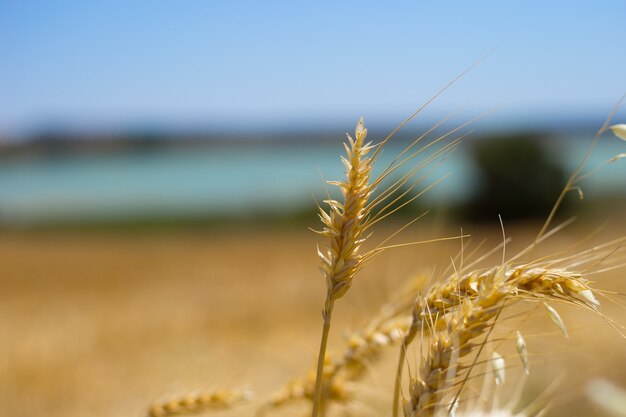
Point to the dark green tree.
(518, 180)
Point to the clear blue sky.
(269, 63)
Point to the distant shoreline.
(60, 142)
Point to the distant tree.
(518, 180)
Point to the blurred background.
(148, 148)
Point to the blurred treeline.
(517, 178)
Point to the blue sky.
(239, 64)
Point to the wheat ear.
(344, 226)
(521, 281)
(197, 403)
(454, 330)
(437, 371)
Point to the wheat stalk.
(363, 347)
(346, 223)
(344, 226)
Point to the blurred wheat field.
(105, 324)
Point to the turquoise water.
(217, 180)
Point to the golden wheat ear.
(344, 226)
(198, 403)
(345, 223)
(463, 308)
(517, 282)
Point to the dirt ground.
(104, 324)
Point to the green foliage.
(518, 180)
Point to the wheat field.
(106, 324)
(163, 324)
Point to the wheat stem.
(398, 382)
(318, 409)
(344, 226)
(575, 175)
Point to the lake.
(222, 179)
